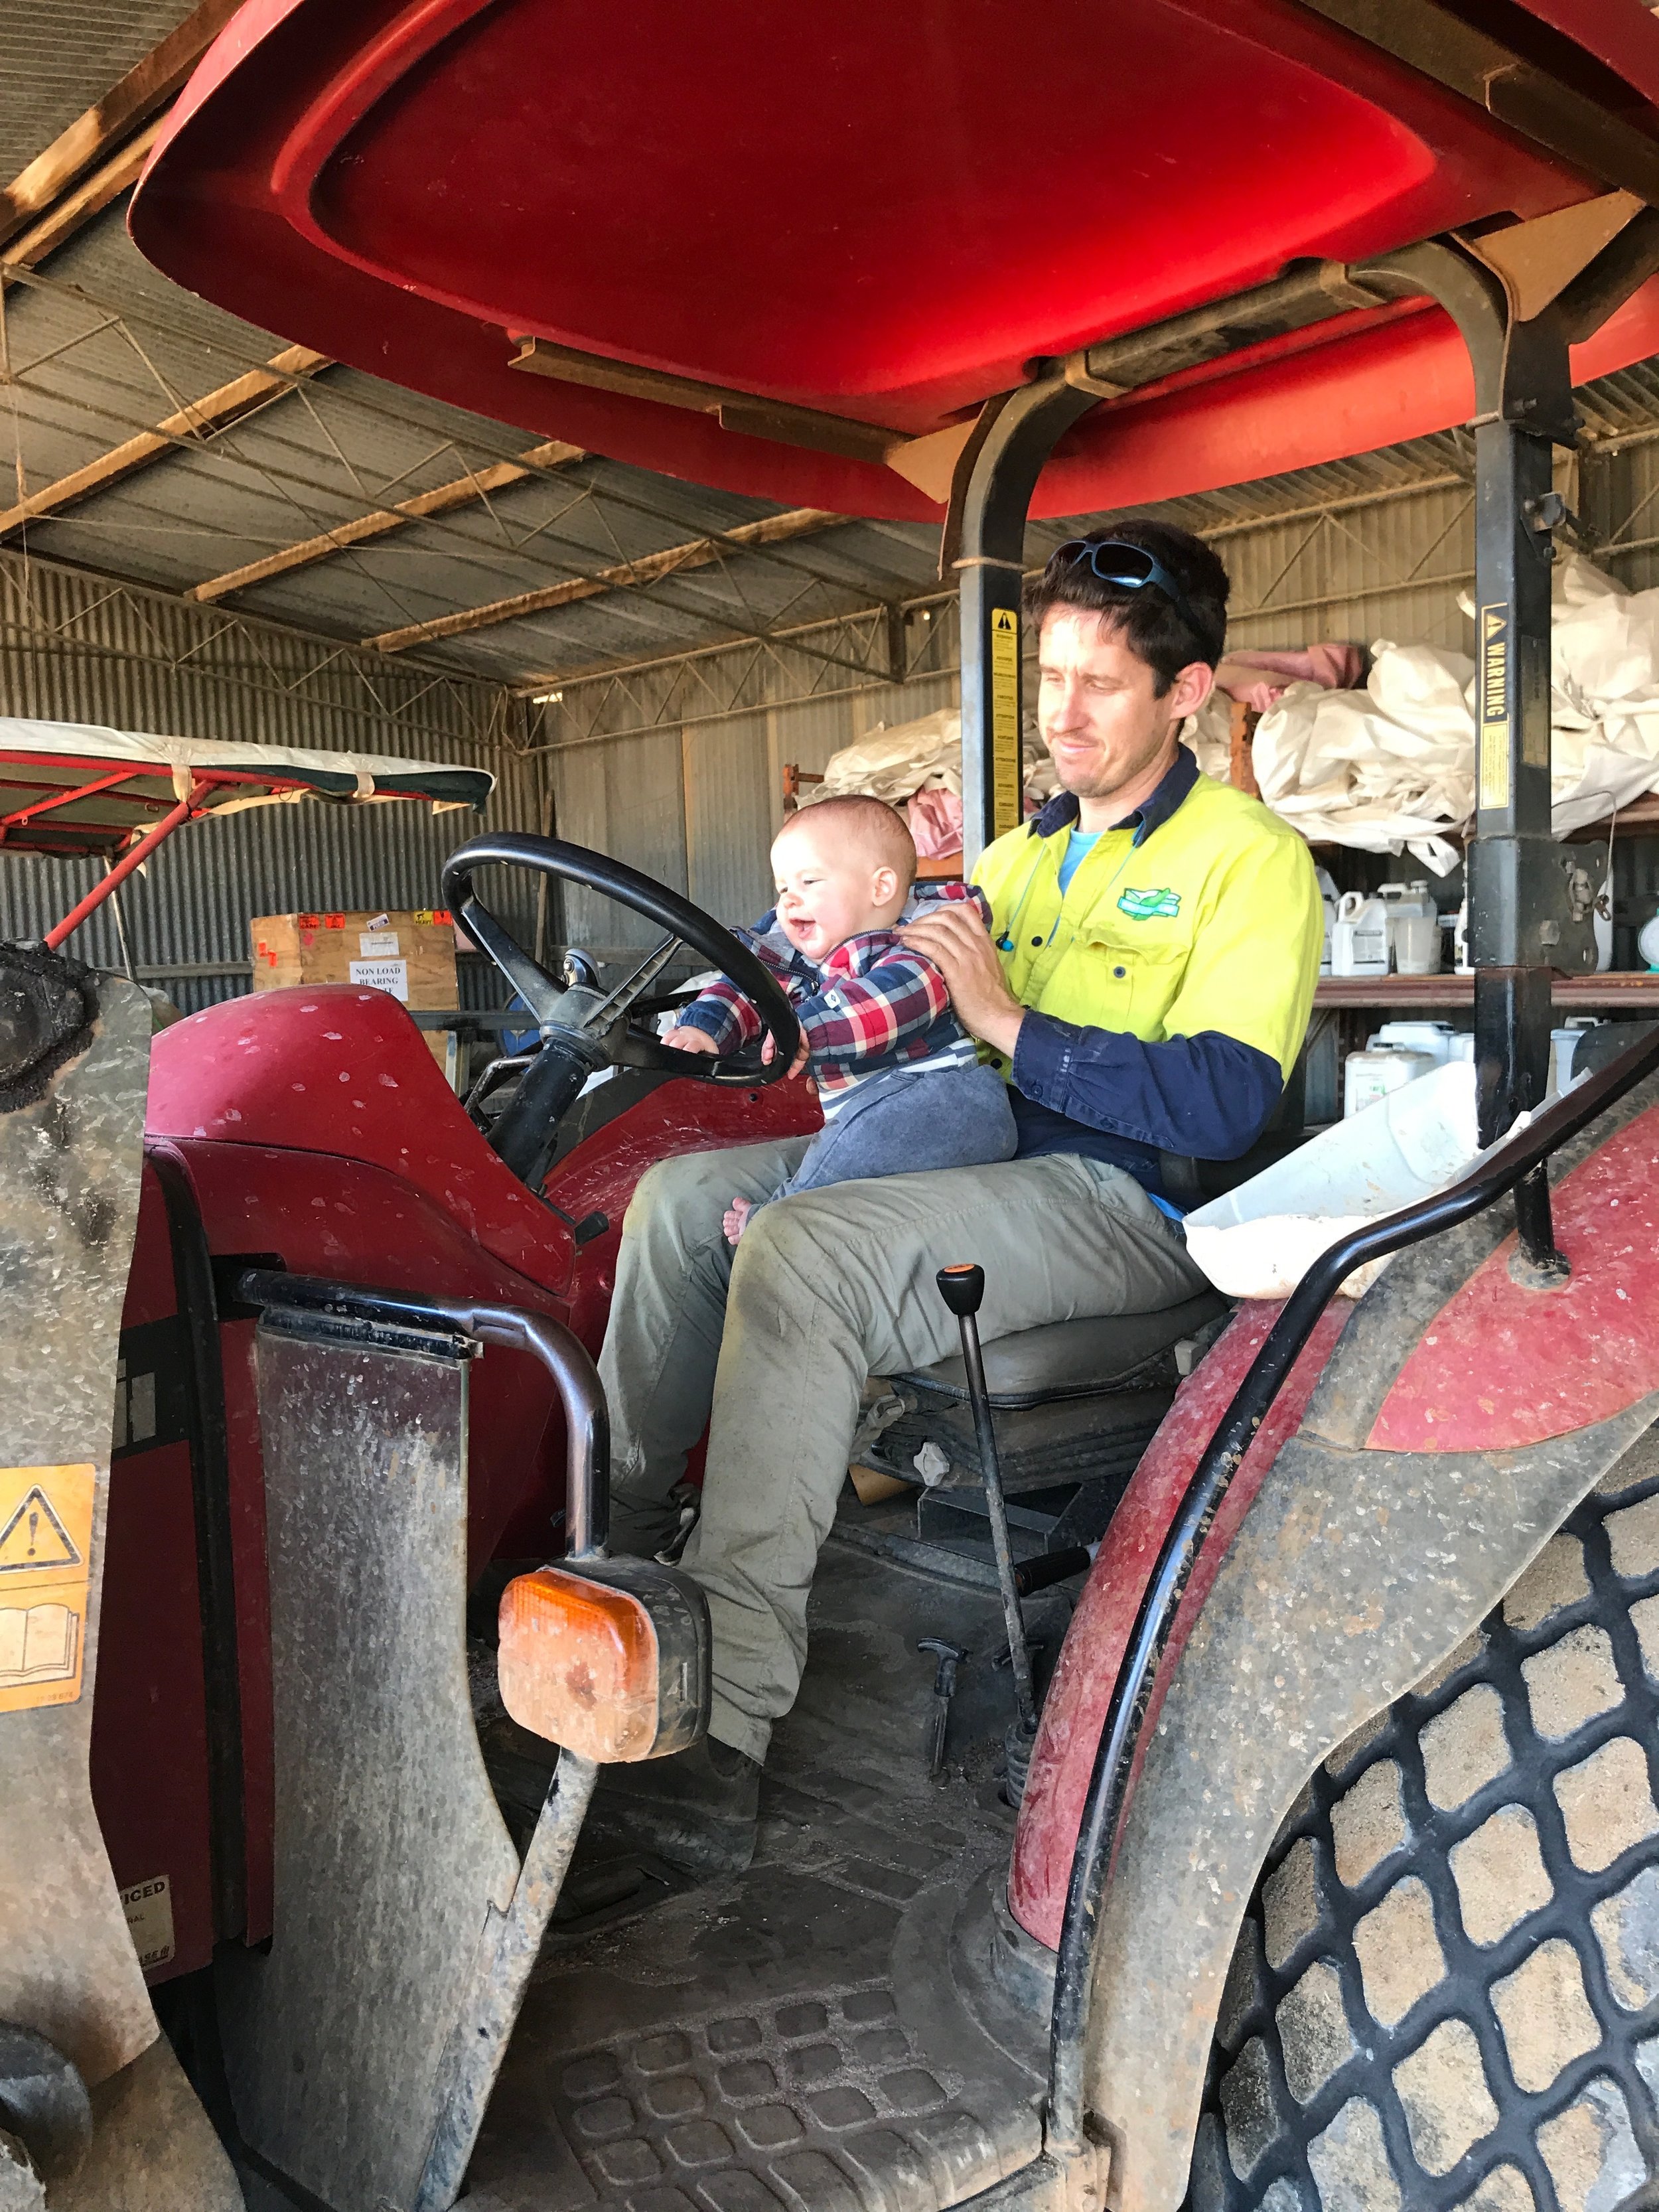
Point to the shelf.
(1638, 993)
(1640, 819)
(940, 868)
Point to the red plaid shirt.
(872, 1006)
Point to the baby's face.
(828, 889)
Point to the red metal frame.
(128, 860)
(95, 839)
(27, 814)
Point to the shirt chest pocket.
(1133, 981)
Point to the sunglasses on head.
(1132, 566)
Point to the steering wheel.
(585, 1029)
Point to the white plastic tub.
(1261, 1239)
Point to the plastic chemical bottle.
(1359, 936)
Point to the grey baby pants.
(903, 1124)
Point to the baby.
(899, 1081)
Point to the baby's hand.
(770, 1053)
(690, 1040)
(735, 1218)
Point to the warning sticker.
(1493, 669)
(382, 976)
(35, 1538)
(46, 1553)
(1007, 802)
(149, 1908)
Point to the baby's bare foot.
(736, 1218)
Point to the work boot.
(696, 1808)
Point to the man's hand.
(955, 940)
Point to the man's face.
(1097, 710)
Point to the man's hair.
(862, 821)
(1165, 638)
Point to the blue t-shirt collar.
(1062, 810)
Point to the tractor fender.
(1357, 1567)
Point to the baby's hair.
(868, 822)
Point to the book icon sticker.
(46, 1551)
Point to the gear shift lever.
(963, 1289)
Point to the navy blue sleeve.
(1209, 1095)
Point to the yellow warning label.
(45, 1553)
(1007, 780)
(1494, 698)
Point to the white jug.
(1372, 1074)
(1413, 927)
(1437, 1039)
(1359, 936)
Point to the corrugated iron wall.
(618, 790)
(1390, 569)
(74, 650)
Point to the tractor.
(1334, 1881)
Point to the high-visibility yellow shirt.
(1170, 984)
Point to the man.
(1146, 988)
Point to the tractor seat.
(1083, 1358)
(1076, 1404)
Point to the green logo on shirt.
(1150, 906)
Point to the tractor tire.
(1446, 1989)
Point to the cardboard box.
(412, 955)
(408, 953)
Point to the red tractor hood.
(858, 215)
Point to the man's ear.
(1191, 688)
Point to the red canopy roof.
(879, 215)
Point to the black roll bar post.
(1529, 911)
(985, 545)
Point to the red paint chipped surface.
(1501, 1367)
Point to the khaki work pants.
(772, 1344)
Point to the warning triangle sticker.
(34, 1538)
(1002, 618)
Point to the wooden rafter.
(649, 568)
(201, 419)
(461, 491)
(76, 208)
(93, 136)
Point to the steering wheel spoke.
(633, 987)
(540, 992)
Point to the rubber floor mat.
(821, 2033)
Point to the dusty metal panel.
(625, 799)
(1392, 570)
(1619, 499)
(69, 1166)
(153, 2146)
(61, 57)
(390, 1851)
